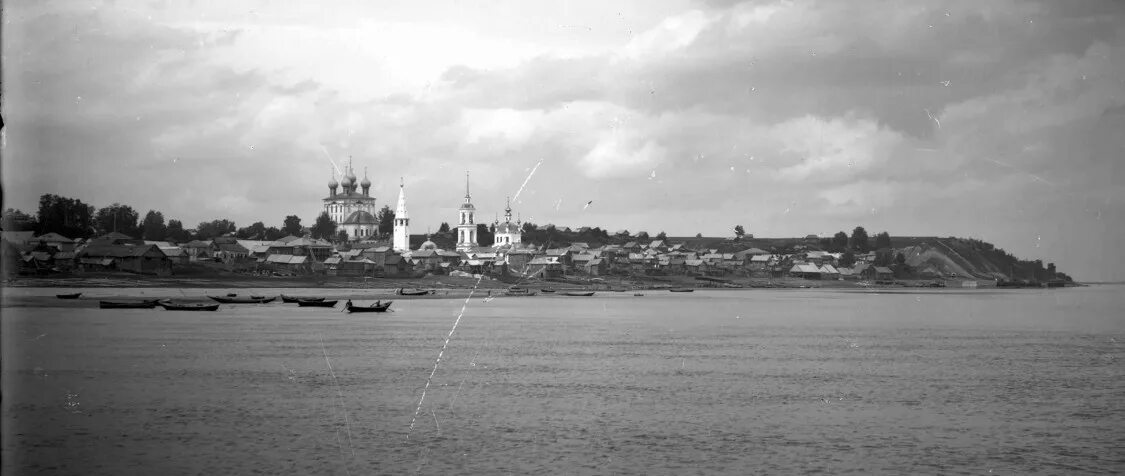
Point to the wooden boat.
(189, 307)
(316, 303)
(257, 297)
(579, 293)
(68, 296)
(127, 304)
(231, 295)
(294, 299)
(547, 290)
(519, 292)
(681, 290)
(416, 292)
(377, 307)
(250, 300)
(638, 294)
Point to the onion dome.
(346, 182)
(365, 183)
(428, 245)
(333, 183)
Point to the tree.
(66, 216)
(215, 228)
(386, 220)
(153, 228)
(255, 231)
(342, 236)
(292, 225)
(529, 227)
(642, 236)
(882, 240)
(274, 233)
(119, 218)
(175, 232)
(739, 231)
(900, 259)
(15, 220)
(699, 235)
(484, 235)
(839, 242)
(444, 228)
(847, 260)
(324, 228)
(859, 240)
(662, 236)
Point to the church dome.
(346, 182)
(365, 183)
(507, 228)
(360, 217)
(428, 245)
(333, 183)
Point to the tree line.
(72, 218)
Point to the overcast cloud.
(996, 120)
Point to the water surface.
(719, 382)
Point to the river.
(711, 382)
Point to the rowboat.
(519, 292)
(250, 300)
(579, 293)
(416, 292)
(127, 304)
(681, 290)
(294, 299)
(377, 307)
(189, 307)
(68, 296)
(547, 290)
(320, 303)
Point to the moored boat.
(294, 299)
(68, 296)
(320, 303)
(188, 307)
(681, 290)
(579, 293)
(250, 300)
(547, 290)
(513, 291)
(379, 306)
(415, 292)
(127, 304)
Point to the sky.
(999, 120)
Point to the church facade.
(507, 232)
(351, 209)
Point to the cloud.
(832, 149)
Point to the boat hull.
(373, 308)
(321, 303)
(227, 300)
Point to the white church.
(354, 212)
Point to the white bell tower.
(466, 227)
(402, 221)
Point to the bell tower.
(402, 221)
(466, 227)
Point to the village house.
(596, 267)
(544, 267)
(140, 259)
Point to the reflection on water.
(781, 381)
